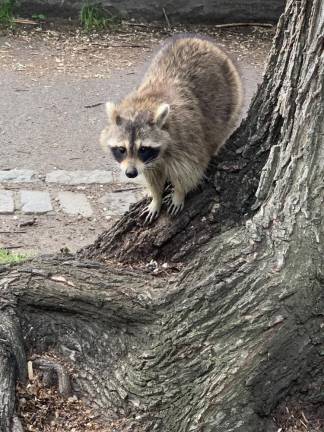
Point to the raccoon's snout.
(131, 172)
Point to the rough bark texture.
(234, 324)
(177, 10)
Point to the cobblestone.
(74, 204)
(71, 203)
(7, 204)
(117, 203)
(36, 202)
(79, 177)
(17, 176)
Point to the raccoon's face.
(136, 141)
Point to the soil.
(298, 416)
(41, 407)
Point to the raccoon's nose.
(131, 172)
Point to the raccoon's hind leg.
(155, 181)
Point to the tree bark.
(232, 323)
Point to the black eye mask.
(147, 154)
(119, 153)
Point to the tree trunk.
(232, 323)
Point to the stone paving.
(35, 202)
(117, 203)
(31, 193)
(74, 204)
(7, 204)
(79, 177)
(17, 176)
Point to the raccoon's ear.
(112, 114)
(111, 110)
(161, 114)
(103, 140)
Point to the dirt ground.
(54, 80)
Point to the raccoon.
(168, 129)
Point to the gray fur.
(188, 104)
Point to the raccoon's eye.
(119, 153)
(148, 153)
(145, 152)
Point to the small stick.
(304, 417)
(13, 232)
(130, 46)
(127, 189)
(24, 21)
(30, 370)
(303, 424)
(101, 45)
(142, 25)
(29, 222)
(247, 24)
(93, 106)
(166, 19)
(12, 247)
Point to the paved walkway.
(60, 209)
(33, 194)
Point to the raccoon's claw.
(167, 199)
(151, 211)
(174, 204)
(151, 216)
(169, 188)
(174, 209)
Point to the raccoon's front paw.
(151, 212)
(174, 202)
